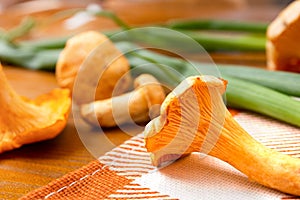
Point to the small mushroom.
(283, 43)
(193, 118)
(137, 105)
(24, 121)
(94, 50)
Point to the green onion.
(44, 44)
(33, 54)
(211, 42)
(207, 41)
(240, 93)
(44, 59)
(285, 82)
(13, 54)
(40, 54)
(23, 28)
(222, 25)
(243, 94)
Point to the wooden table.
(32, 166)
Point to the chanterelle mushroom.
(24, 121)
(195, 119)
(137, 105)
(283, 44)
(77, 49)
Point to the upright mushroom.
(193, 118)
(283, 43)
(24, 121)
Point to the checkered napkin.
(126, 171)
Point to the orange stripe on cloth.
(111, 178)
(93, 181)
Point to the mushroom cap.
(185, 111)
(283, 50)
(286, 17)
(76, 51)
(24, 121)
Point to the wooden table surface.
(32, 166)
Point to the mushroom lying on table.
(193, 118)
(134, 106)
(24, 121)
(283, 42)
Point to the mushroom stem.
(261, 164)
(195, 119)
(130, 107)
(24, 121)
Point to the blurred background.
(134, 12)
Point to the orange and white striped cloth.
(126, 171)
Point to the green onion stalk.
(241, 93)
(22, 29)
(16, 53)
(219, 25)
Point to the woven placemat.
(126, 171)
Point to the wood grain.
(32, 166)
